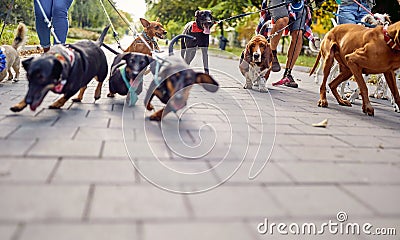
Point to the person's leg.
(60, 18)
(280, 16)
(361, 12)
(347, 13)
(42, 30)
(296, 44)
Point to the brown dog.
(255, 62)
(360, 50)
(151, 30)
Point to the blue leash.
(132, 95)
(2, 60)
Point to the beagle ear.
(27, 63)
(247, 53)
(207, 82)
(144, 22)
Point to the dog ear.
(125, 56)
(247, 53)
(27, 63)
(267, 54)
(196, 13)
(387, 18)
(144, 22)
(207, 82)
(149, 59)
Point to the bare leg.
(294, 48)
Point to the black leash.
(6, 18)
(258, 11)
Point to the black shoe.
(276, 67)
(291, 82)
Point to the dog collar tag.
(60, 86)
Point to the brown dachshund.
(360, 50)
(255, 62)
(151, 30)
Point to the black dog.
(131, 65)
(64, 70)
(176, 80)
(200, 29)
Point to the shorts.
(281, 12)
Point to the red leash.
(359, 4)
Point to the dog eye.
(157, 27)
(262, 45)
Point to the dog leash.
(132, 95)
(6, 18)
(258, 11)
(47, 21)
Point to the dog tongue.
(206, 30)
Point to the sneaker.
(291, 82)
(276, 67)
(288, 81)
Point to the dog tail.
(102, 36)
(20, 36)
(175, 39)
(316, 63)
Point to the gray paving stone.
(374, 173)
(7, 231)
(116, 149)
(363, 141)
(43, 133)
(196, 231)
(31, 202)
(86, 133)
(25, 169)
(136, 202)
(270, 174)
(316, 172)
(315, 200)
(382, 199)
(6, 130)
(14, 148)
(66, 148)
(95, 171)
(230, 202)
(87, 231)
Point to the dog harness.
(389, 40)
(2, 59)
(132, 86)
(196, 28)
(62, 57)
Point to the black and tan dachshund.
(200, 29)
(127, 67)
(64, 70)
(172, 87)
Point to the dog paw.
(77, 100)
(247, 86)
(54, 107)
(96, 98)
(16, 109)
(150, 107)
(345, 103)
(155, 118)
(323, 103)
(369, 110)
(110, 95)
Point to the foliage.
(22, 11)
(322, 17)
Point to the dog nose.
(256, 55)
(165, 32)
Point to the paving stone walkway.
(70, 173)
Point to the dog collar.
(151, 40)
(196, 28)
(389, 40)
